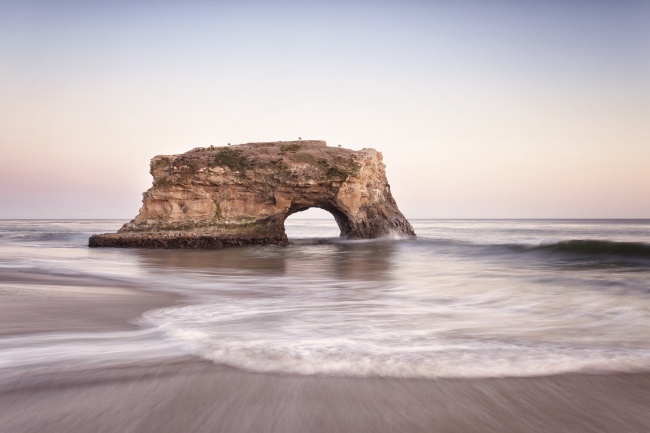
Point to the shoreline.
(37, 303)
(193, 395)
(189, 394)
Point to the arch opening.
(312, 223)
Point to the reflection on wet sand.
(353, 260)
(236, 260)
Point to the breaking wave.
(578, 248)
(599, 248)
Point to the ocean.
(467, 298)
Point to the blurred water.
(467, 298)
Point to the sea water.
(467, 298)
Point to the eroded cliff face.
(240, 195)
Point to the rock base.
(178, 240)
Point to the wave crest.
(598, 248)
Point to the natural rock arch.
(241, 195)
(342, 220)
(324, 218)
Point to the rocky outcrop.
(240, 195)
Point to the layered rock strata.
(241, 195)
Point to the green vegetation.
(162, 162)
(233, 159)
(337, 172)
(342, 170)
(163, 181)
(184, 174)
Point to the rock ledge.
(240, 195)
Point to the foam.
(241, 336)
(52, 351)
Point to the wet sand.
(194, 396)
(191, 395)
(36, 303)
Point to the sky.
(482, 109)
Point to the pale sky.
(482, 109)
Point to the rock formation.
(240, 195)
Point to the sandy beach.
(36, 303)
(192, 395)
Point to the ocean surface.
(467, 298)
